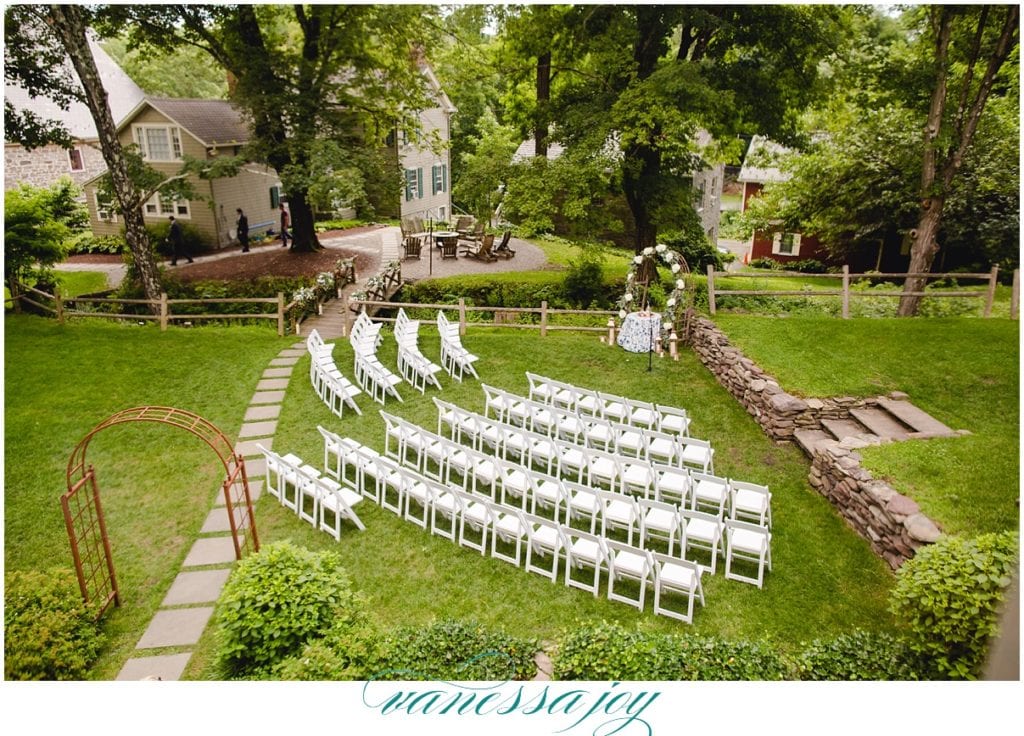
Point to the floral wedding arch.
(678, 311)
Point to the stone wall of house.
(892, 523)
(43, 167)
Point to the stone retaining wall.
(891, 522)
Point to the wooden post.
(711, 288)
(544, 318)
(846, 291)
(1015, 294)
(611, 331)
(673, 345)
(462, 316)
(58, 305)
(990, 297)
(163, 311)
(280, 314)
(344, 314)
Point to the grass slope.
(157, 483)
(964, 372)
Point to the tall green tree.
(302, 74)
(58, 34)
(186, 72)
(642, 81)
(37, 224)
(967, 46)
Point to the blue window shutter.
(419, 182)
(433, 180)
(275, 198)
(408, 185)
(444, 177)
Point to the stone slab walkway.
(188, 606)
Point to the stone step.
(917, 419)
(808, 439)
(843, 428)
(881, 422)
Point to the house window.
(75, 158)
(786, 244)
(411, 188)
(158, 142)
(162, 206)
(438, 178)
(275, 197)
(104, 209)
(441, 214)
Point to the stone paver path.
(188, 605)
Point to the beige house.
(427, 190)
(166, 130)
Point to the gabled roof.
(760, 165)
(122, 93)
(211, 122)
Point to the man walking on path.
(243, 230)
(285, 235)
(174, 237)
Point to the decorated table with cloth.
(638, 331)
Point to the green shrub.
(695, 247)
(584, 281)
(112, 244)
(262, 287)
(193, 240)
(348, 651)
(949, 594)
(860, 655)
(278, 600)
(769, 263)
(807, 265)
(332, 224)
(460, 650)
(611, 652)
(49, 632)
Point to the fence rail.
(62, 307)
(545, 312)
(846, 292)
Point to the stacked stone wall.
(891, 522)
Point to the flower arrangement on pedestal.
(636, 291)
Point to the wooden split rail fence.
(846, 292)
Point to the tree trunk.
(922, 253)
(69, 24)
(303, 230)
(540, 123)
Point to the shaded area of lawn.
(825, 579)
(157, 483)
(962, 371)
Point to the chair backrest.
(448, 247)
(485, 246)
(506, 236)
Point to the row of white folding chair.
(293, 482)
(333, 388)
(623, 439)
(454, 357)
(634, 474)
(373, 376)
(589, 402)
(647, 518)
(361, 324)
(472, 519)
(414, 366)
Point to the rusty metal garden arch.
(83, 514)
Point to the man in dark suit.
(174, 237)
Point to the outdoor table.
(638, 330)
(445, 235)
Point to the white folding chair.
(583, 551)
(710, 493)
(477, 517)
(337, 502)
(703, 532)
(671, 484)
(750, 502)
(545, 539)
(747, 543)
(660, 521)
(584, 504)
(673, 575)
(635, 476)
(642, 414)
(673, 421)
(626, 561)
(448, 505)
(509, 528)
(697, 454)
(417, 492)
(618, 512)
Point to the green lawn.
(825, 579)
(74, 283)
(962, 371)
(157, 483)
